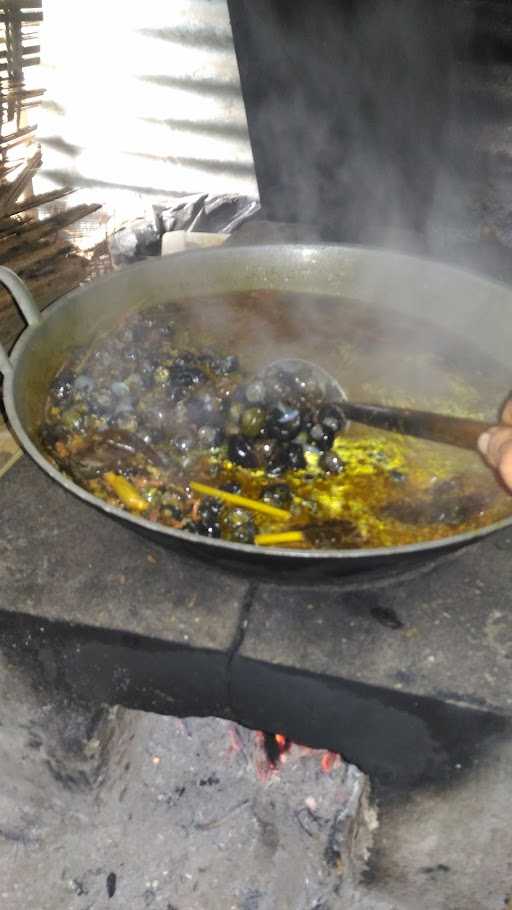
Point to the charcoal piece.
(111, 884)
(386, 616)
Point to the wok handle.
(25, 303)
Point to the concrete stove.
(406, 676)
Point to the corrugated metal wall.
(143, 96)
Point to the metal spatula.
(455, 431)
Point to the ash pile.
(200, 814)
(234, 820)
(263, 823)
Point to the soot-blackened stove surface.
(406, 676)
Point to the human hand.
(496, 446)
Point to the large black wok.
(455, 304)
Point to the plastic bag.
(212, 214)
(140, 237)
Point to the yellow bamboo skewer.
(126, 491)
(241, 501)
(277, 538)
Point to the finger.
(506, 414)
(492, 442)
(505, 464)
(483, 442)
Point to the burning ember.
(273, 750)
(329, 761)
(281, 741)
(275, 747)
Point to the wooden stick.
(25, 4)
(3, 173)
(33, 202)
(26, 48)
(7, 147)
(6, 226)
(31, 231)
(25, 61)
(11, 93)
(25, 16)
(9, 137)
(27, 261)
(14, 189)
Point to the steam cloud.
(368, 117)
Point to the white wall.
(144, 96)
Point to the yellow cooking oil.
(383, 470)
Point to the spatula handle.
(454, 431)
